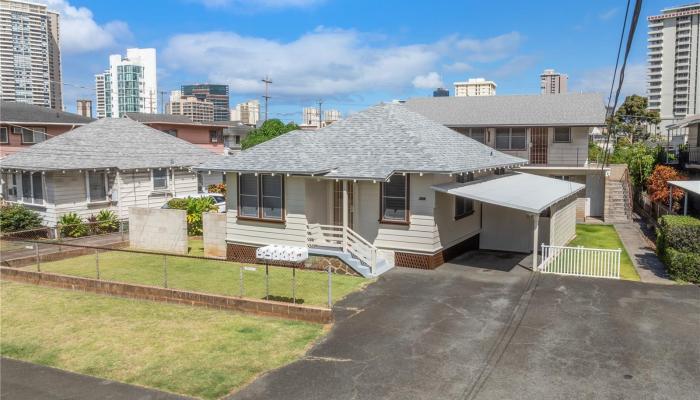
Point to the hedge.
(678, 232)
(683, 265)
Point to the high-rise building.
(248, 112)
(672, 57)
(84, 108)
(129, 85)
(331, 116)
(30, 59)
(310, 117)
(475, 87)
(191, 107)
(441, 92)
(552, 82)
(216, 94)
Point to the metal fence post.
(38, 258)
(267, 282)
(121, 229)
(97, 263)
(329, 286)
(240, 283)
(294, 285)
(165, 271)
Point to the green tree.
(632, 119)
(268, 130)
(639, 157)
(15, 217)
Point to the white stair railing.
(335, 237)
(581, 261)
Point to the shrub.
(105, 221)
(16, 217)
(71, 225)
(678, 232)
(684, 266)
(217, 188)
(657, 185)
(194, 206)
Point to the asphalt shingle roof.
(163, 118)
(108, 143)
(570, 109)
(371, 144)
(15, 112)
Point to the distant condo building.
(129, 85)
(331, 116)
(441, 92)
(310, 117)
(191, 107)
(30, 58)
(84, 108)
(475, 87)
(248, 113)
(552, 82)
(672, 57)
(216, 94)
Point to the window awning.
(525, 192)
(688, 186)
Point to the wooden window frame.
(260, 217)
(407, 220)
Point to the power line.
(267, 82)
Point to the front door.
(338, 204)
(538, 145)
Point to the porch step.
(382, 264)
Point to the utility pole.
(320, 102)
(267, 82)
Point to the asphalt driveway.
(483, 327)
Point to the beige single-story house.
(112, 163)
(389, 187)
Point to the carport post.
(535, 234)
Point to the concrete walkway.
(25, 381)
(642, 251)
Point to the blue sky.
(354, 53)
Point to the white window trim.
(510, 141)
(87, 188)
(554, 135)
(20, 189)
(168, 181)
(33, 130)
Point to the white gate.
(581, 261)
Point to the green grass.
(191, 351)
(605, 237)
(195, 247)
(208, 276)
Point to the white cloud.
(253, 5)
(79, 31)
(458, 66)
(328, 62)
(430, 80)
(598, 80)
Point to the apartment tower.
(129, 85)
(191, 107)
(552, 82)
(475, 87)
(84, 108)
(672, 57)
(30, 59)
(216, 94)
(248, 112)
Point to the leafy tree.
(16, 217)
(195, 207)
(268, 130)
(639, 157)
(657, 185)
(632, 117)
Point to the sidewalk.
(21, 380)
(642, 252)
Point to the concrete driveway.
(484, 328)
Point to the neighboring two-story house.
(23, 125)
(550, 132)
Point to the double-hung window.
(394, 198)
(4, 137)
(261, 196)
(213, 136)
(30, 135)
(511, 139)
(97, 186)
(463, 206)
(161, 180)
(478, 134)
(562, 134)
(32, 187)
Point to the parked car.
(219, 200)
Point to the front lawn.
(192, 351)
(208, 276)
(605, 237)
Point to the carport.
(688, 188)
(522, 193)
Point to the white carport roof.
(525, 192)
(689, 186)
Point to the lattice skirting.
(432, 261)
(246, 254)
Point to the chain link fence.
(296, 285)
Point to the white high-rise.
(30, 59)
(672, 50)
(248, 112)
(129, 85)
(475, 87)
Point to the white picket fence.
(581, 261)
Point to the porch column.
(118, 184)
(535, 239)
(345, 215)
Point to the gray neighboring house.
(112, 163)
(388, 187)
(550, 132)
